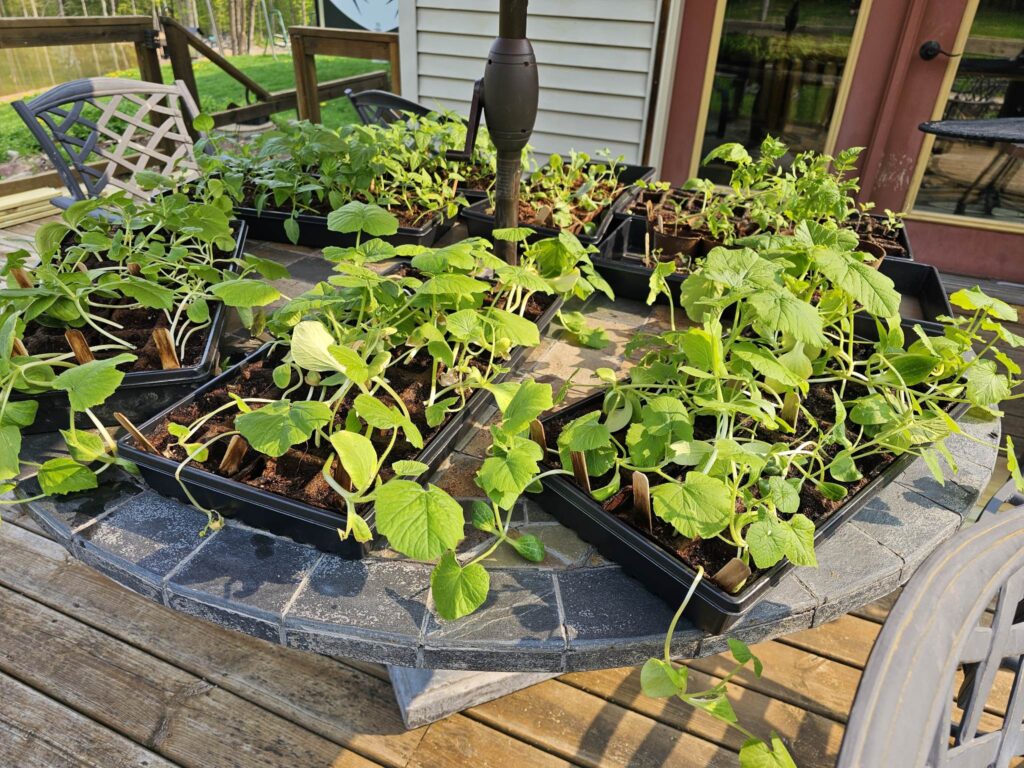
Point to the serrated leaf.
(974, 298)
(768, 539)
(801, 549)
(985, 385)
(277, 426)
(358, 457)
(699, 506)
(90, 384)
(866, 285)
(421, 523)
(457, 590)
(780, 310)
(146, 293)
(63, 475)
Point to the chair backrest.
(382, 107)
(129, 124)
(960, 612)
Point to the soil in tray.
(878, 233)
(139, 325)
(297, 474)
(713, 554)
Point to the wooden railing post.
(306, 91)
(149, 61)
(181, 59)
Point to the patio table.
(574, 611)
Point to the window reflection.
(982, 179)
(780, 64)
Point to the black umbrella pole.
(506, 201)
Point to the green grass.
(217, 90)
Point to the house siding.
(594, 61)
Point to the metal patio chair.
(382, 107)
(129, 124)
(910, 708)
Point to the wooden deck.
(93, 675)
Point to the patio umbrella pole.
(510, 92)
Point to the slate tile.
(908, 524)
(141, 541)
(853, 569)
(952, 495)
(368, 609)
(241, 578)
(60, 516)
(519, 620)
(611, 620)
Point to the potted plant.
(369, 379)
(122, 312)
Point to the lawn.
(217, 90)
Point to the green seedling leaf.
(801, 549)
(529, 401)
(512, 234)
(357, 216)
(985, 385)
(756, 754)
(832, 491)
(270, 270)
(843, 468)
(145, 292)
(10, 449)
(421, 523)
(198, 311)
(865, 284)
(409, 468)
(311, 347)
(291, 230)
(457, 590)
(90, 384)
(277, 426)
(360, 529)
(505, 477)
(768, 540)
(1013, 464)
(64, 475)
(780, 310)
(483, 517)
(358, 457)
(582, 332)
(742, 653)
(973, 299)
(659, 679)
(245, 293)
(282, 376)
(529, 547)
(784, 494)
(83, 446)
(698, 506)
(19, 413)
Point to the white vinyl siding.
(595, 61)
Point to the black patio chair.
(129, 124)
(910, 710)
(382, 107)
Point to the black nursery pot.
(313, 231)
(141, 393)
(660, 571)
(279, 514)
(480, 223)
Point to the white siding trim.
(407, 49)
(669, 57)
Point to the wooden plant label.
(543, 216)
(165, 346)
(234, 455)
(132, 430)
(732, 575)
(78, 344)
(537, 434)
(642, 497)
(579, 470)
(21, 277)
(19, 349)
(341, 477)
(134, 270)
